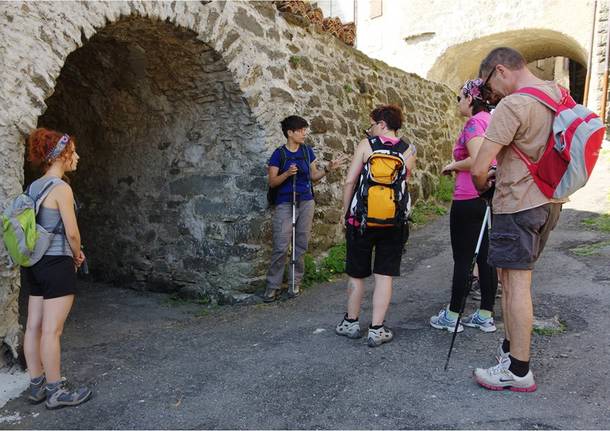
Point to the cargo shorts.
(517, 240)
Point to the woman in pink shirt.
(466, 218)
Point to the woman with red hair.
(52, 280)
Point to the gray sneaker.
(37, 393)
(59, 395)
(348, 329)
(475, 320)
(379, 336)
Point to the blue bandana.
(59, 147)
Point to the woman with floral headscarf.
(466, 218)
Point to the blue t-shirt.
(303, 184)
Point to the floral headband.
(472, 88)
(59, 147)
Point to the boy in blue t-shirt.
(292, 159)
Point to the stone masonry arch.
(461, 62)
(96, 70)
(165, 136)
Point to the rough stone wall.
(157, 94)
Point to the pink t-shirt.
(475, 126)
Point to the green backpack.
(24, 239)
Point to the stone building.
(445, 41)
(176, 107)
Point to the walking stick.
(294, 224)
(486, 224)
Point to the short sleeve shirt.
(474, 127)
(522, 121)
(303, 180)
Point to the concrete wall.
(176, 108)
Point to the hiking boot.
(379, 336)
(349, 329)
(475, 289)
(271, 294)
(59, 395)
(443, 321)
(476, 321)
(499, 377)
(36, 392)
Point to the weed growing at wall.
(436, 205)
(331, 265)
(295, 60)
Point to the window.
(375, 8)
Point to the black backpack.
(273, 192)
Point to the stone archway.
(461, 62)
(165, 138)
(140, 84)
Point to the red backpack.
(572, 149)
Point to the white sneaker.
(443, 321)
(348, 329)
(500, 354)
(379, 336)
(499, 377)
(476, 321)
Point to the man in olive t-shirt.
(523, 215)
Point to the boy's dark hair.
(293, 122)
(508, 57)
(479, 106)
(391, 114)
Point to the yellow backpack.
(382, 198)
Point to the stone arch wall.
(268, 68)
(461, 62)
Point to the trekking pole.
(486, 223)
(294, 226)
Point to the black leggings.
(465, 221)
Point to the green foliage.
(425, 211)
(295, 60)
(348, 88)
(331, 265)
(436, 205)
(601, 222)
(589, 249)
(443, 191)
(550, 331)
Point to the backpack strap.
(44, 192)
(377, 144)
(543, 98)
(283, 158)
(308, 160)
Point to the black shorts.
(388, 243)
(51, 277)
(517, 240)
